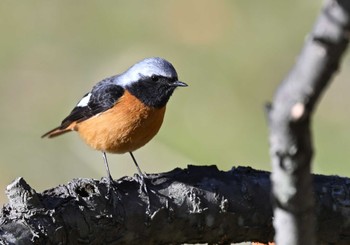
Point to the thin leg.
(107, 167)
(143, 186)
(137, 166)
(111, 189)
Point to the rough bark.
(193, 205)
(289, 122)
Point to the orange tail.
(57, 131)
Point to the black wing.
(104, 95)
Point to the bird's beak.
(179, 84)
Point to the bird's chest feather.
(125, 127)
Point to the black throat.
(151, 93)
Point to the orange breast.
(126, 127)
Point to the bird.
(123, 112)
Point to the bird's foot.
(144, 189)
(141, 179)
(112, 190)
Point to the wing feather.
(102, 97)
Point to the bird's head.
(152, 80)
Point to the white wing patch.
(84, 101)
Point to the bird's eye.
(155, 78)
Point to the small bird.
(123, 112)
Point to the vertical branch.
(290, 115)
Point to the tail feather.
(56, 132)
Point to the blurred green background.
(233, 54)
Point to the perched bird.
(123, 112)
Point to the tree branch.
(289, 122)
(193, 205)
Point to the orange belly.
(126, 127)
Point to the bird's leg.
(110, 181)
(107, 167)
(142, 176)
(137, 166)
(143, 186)
(113, 195)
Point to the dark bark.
(289, 122)
(193, 205)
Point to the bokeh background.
(233, 54)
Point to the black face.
(154, 91)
